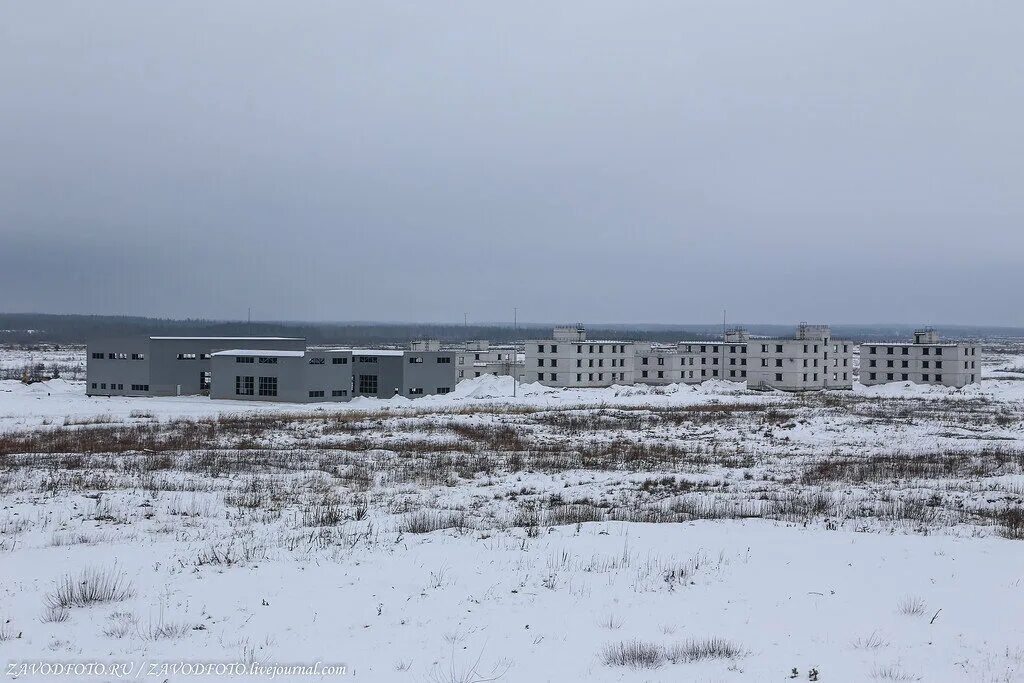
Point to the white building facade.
(569, 359)
(926, 360)
(812, 360)
(483, 358)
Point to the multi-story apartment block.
(704, 360)
(812, 360)
(483, 358)
(569, 359)
(924, 361)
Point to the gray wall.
(387, 369)
(431, 375)
(297, 377)
(104, 375)
(162, 370)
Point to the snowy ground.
(718, 534)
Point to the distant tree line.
(34, 328)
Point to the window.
(540, 348)
(443, 390)
(204, 356)
(244, 359)
(579, 377)
(661, 361)
(938, 352)
(661, 374)
(316, 393)
(764, 348)
(554, 348)
(94, 385)
(924, 378)
(268, 386)
(97, 356)
(873, 350)
(925, 351)
(316, 361)
(243, 386)
(905, 351)
(339, 392)
(417, 359)
(268, 360)
(938, 365)
(871, 376)
(444, 359)
(367, 384)
(540, 362)
(905, 364)
(643, 373)
(924, 364)
(339, 360)
(643, 361)
(579, 348)
(888, 364)
(554, 362)
(368, 359)
(554, 377)
(904, 377)
(112, 356)
(938, 378)
(778, 348)
(778, 362)
(778, 376)
(476, 356)
(181, 356)
(889, 350)
(136, 387)
(103, 385)
(764, 362)
(416, 391)
(540, 376)
(888, 375)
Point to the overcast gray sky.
(595, 161)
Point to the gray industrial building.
(263, 369)
(278, 375)
(164, 366)
(423, 369)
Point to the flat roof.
(910, 344)
(376, 352)
(261, 352)
(238, 338)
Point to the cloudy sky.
(599, 161)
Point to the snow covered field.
(630, 534)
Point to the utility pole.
(249, 321)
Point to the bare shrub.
(634, 654)
(610, 622)
(121, 624)
(912, 606)
(892, 673)
(1011, 523)
(425, 521)
(871, 642)
(55, 614)
(91, 586)
(704, 648)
